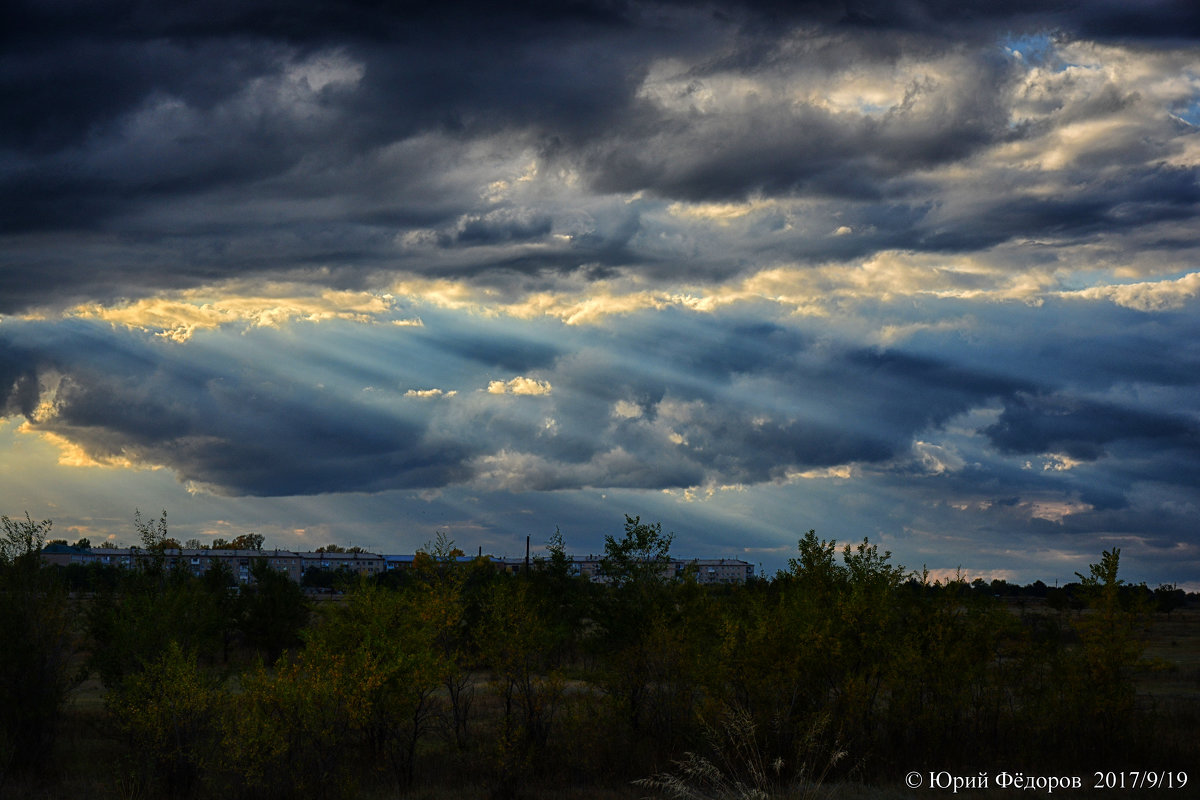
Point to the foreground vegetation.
(455, 680)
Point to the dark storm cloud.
(916, 392)
(1003, 499)
(229, 426)
(1067, 345)
(70, 85)
(1099, 410)
(1087, 206)
(84, 64)
(742, 448)
(777, 146)
(1105, 19)
(145, 147)
(1160, 19)
(509, 351)
(499, 227)
(187, 148)
(1082, 429)
(18, 382)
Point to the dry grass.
(735, 768)
(1173, 648)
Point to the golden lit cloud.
(809, 291)
(936, 459)
(806, 291)
(519, 385)
(1166, 295)
(511, 470)
(841, 472)
(179, 315)
(693, 494)
(72, 455)
(1054, 510)
(1059, 462)
(427, 394)
(720, 213)
(626, 410)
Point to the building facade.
(239, 562)
(295, 564)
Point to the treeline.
(1075, 596)
(152, 533)
(842, 666)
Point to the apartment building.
(722, 570)
(195, 561)
(295, 564)
(707, 570)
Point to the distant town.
(357, 561)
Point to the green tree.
(243, 541)
(1168, 597)
(816, 566)
(272, 610)
(642, 646)
(1111, 645)
(558, 563)
(38, 646)
(641, 556)
(394, 647)
(151, 532)
(247, 541)
(328, 578)
(783, 646)
(220, 604)
(945, 682)
(869, 638)
(519, 645)
(168, 715)
(440, 599)
(295, 728)
(21, 547)
(824, 639)
(132, 624)
(564, 596)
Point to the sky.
(924, 272)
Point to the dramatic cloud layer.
(914, 271)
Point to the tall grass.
(737, 767)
